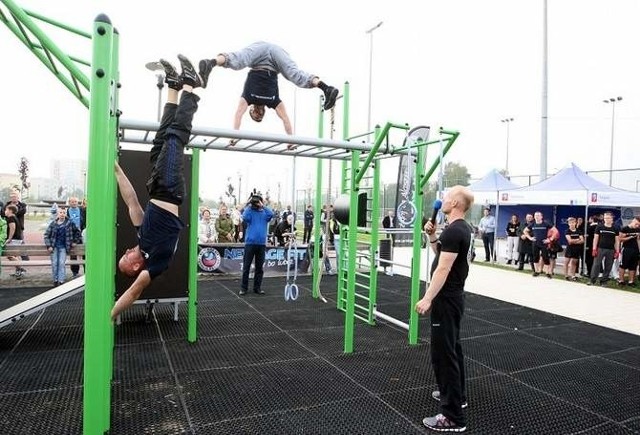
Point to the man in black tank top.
(159, 225)
(444, 297)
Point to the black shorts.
(629, 259)
(573, 251)
(539, 251)
(261, 87)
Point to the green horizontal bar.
(57, 24)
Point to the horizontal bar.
(390, 319)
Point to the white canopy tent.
(485, 190)
(570, 186)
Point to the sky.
(459, 64)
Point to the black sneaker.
(549, 276)
(536, 273)
(189, 76)
(171, 77)
(440, 423)
(436, 395)
(205, 66)
(259, 292)
(330, 96)
(242, 292)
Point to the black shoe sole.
(331, 99)
(191, 77)
(204, 69)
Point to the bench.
(38, 251)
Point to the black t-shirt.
(17, 234)
(281, 228)
(573, 234)
(512, 229)
(631, 243)
(261, 87)
(607, 236)
(456, 238)
(539, 231)
(158, 238)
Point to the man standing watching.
(15, 199)
(487, 227)
(536, 232)
(256, 215)
(308, 224)
(75, 216)
(629, 236)
(445, 299)
(606, 246)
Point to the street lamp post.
(507, 121)
(612, 101)
(370, 32)
(160, 85)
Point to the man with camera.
(256, 215)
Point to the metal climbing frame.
(357, 281)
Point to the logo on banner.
(505, 196)
(209, 259)
(594, 197)
(406, 213)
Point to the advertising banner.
(226, 258)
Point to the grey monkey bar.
(141, 132)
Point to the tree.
(454, 174)
(229, 192)
(23, 170)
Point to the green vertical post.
(108, 297)
(346, 97)
(349, 317)
(315, 265)
(192, 331)
(417, 248)
(98, 328)
(343, 186)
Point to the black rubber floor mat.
(151, 407)
(513, 351)
(56, 411)
(362, 415)
(46, 370)
(235, 351)
(216, 395)
(588, 338)
(587, 382)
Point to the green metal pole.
(100, 241)
(192, 332)
(315, 265)
(453, 135)
(346, 97)
(349, 317)
(108, 296)
(417, 248)
(346, 93)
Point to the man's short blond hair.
(463, 195)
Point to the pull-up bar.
(256, 142)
